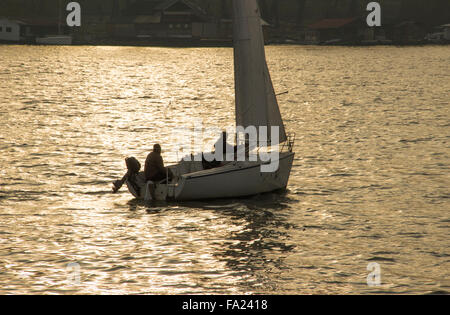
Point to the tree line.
(302, 12)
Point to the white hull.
(54, 40)
(234, 181)
(238, 179)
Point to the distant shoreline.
(225, 43)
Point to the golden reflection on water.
(369, 184)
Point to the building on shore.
(10, 30)
(26, 30)
(169, 20)
(338, 31)
(446, 31)
(356, 31)
(441, 34)
(408, 32)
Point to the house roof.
(168, 3)
(332, 23)
(196, 9)
(36, 21)
(152, 7)
(9, 20)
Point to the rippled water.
(370, 181)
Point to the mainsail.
(256, 102)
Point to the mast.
(256, 102)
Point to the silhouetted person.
(133, 167)
(154, 166)
(222, 145)
(243, 148)
(221, 148)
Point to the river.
(369, 189)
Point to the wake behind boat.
(256, 107)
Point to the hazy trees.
(429, 12)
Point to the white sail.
(256, 102)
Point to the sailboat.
(256, 105)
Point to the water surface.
(370, 181)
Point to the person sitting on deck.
(243, 149)
(154, 166)
(221, 149)
(222, 146)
